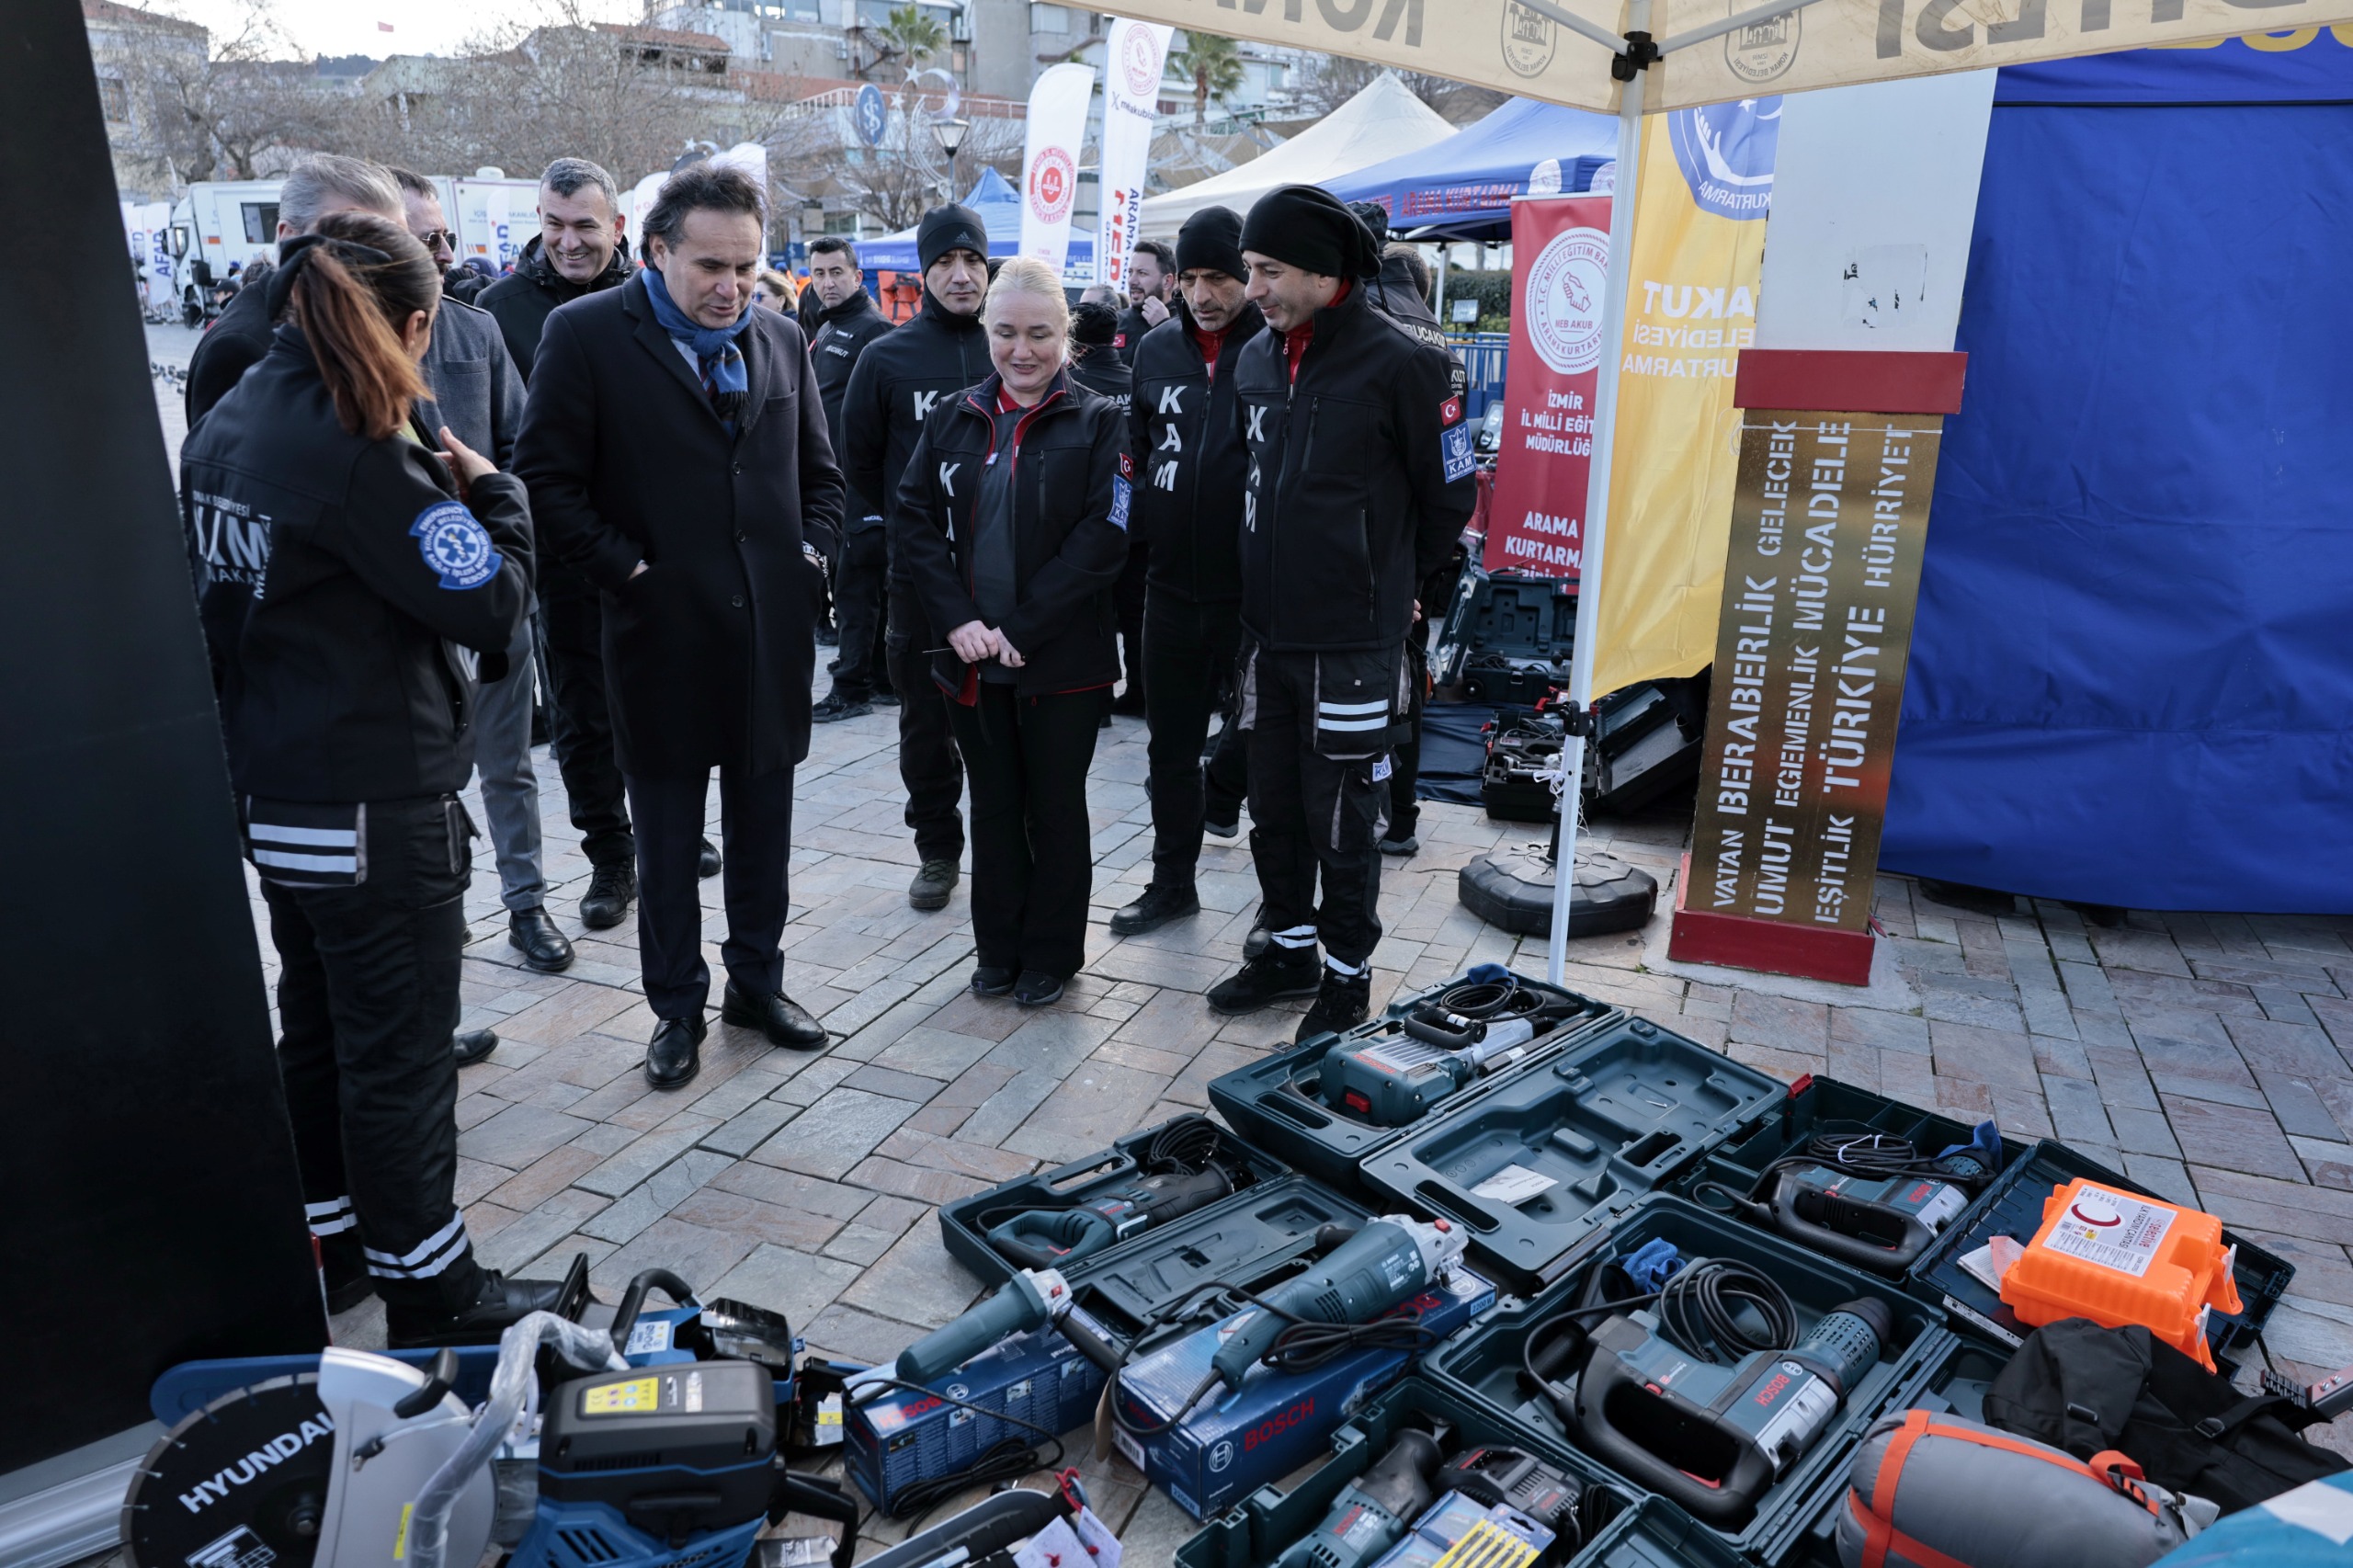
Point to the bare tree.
(1337, 79)
(237, 115)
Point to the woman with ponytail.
(353, 573)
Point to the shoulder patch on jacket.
(1451, 412)
(1122, 493)
(455, 545)
(1454, 450)
(1127, 467)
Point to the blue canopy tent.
(999, 205)
(2132, 675)
(1464, 185)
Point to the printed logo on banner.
(1529, 39)
(1765, 49)
(1562, 300)
(1142, 64)
(1544, 179)
(1603, 181)
(1725, 152)
(1052, 182)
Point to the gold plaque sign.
(1829, 517)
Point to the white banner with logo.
(1132, 61)
(1521, 46)
(1049, 164)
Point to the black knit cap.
(1211, 238)
(1094, 324)
(1305, 226)
(1375, 218)
(948, 228)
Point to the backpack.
(2086, 1389)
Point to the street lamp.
(951, 132)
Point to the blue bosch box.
(1276, 1421)
(904, 1436)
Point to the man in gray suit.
(477, 395)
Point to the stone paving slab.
(2205, 1055)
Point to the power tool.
(1048, 1238)
(1385, 1263)
(1519, 1479)
(1397, 1074)
(1030, 1300)
(1373, 1511)
(1712, 1437)
(1865, 1198)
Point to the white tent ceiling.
(1382, 121)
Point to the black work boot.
(611, 890)
(1274, 973)
(935, 880)
(1153, 908)
(498, 1303)
(1341, 1003)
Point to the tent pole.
(1596, 496)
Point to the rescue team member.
(1190, 464)
(348, 576)
(1152, 282)
(1360, 479)
(676, 448)
(319, 185)
(581, 249)
(1093, 363)
(897, 383)
(1012, 525)
(847, 327)
(477, 394)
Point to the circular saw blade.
(241, 1483)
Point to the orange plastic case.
(2118, 1258)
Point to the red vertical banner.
(1561, 246)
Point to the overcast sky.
(355, 27)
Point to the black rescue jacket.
(843, 332)
(523, 299)
(1189, 457)
(1359, 481)
(894, 388)
(339, 580)
(1072, 494)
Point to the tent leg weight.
(1513, 888)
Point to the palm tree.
(1215, 65)
(911, 33)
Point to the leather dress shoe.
(610, 890)
(543, 946)
(675, 1053)
(785, 1021)
(1155, 907)
(708, 864)
(472, 1045)
(498, 1303)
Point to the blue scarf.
(716, 354)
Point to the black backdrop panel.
(148, 1210)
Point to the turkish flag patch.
(1127, 467)
(1450, 411)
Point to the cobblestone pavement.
(2198, 1053)
(2204, 1055)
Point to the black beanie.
(1212, 238)
(1094, 324)
(1375, 218)
(1306, 227)
(948, 228)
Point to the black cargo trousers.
(367, 1001)
(1189, 652)
(930, 765)
(1319, 728)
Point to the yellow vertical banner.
(1690, 307)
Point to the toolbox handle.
(1441, 1196)
(1110, 1161)
(633, 1300)
(439, 1378)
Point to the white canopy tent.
(1383, 121)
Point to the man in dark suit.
(675, 446)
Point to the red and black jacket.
(1072, 494)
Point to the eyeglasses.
(439, 239)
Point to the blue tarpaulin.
(1464, 185)
(999, 205)
(2132, 675)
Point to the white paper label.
(1051, 1547)
(1129, 1449)
(1513, 1185)
(1097, 1536)
(2112, 1229)
(649, 1338)
(829, 1420)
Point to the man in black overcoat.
(676, 450)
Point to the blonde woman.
(1012, 522)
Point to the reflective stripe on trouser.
(367, 1001)
(1311, 814)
